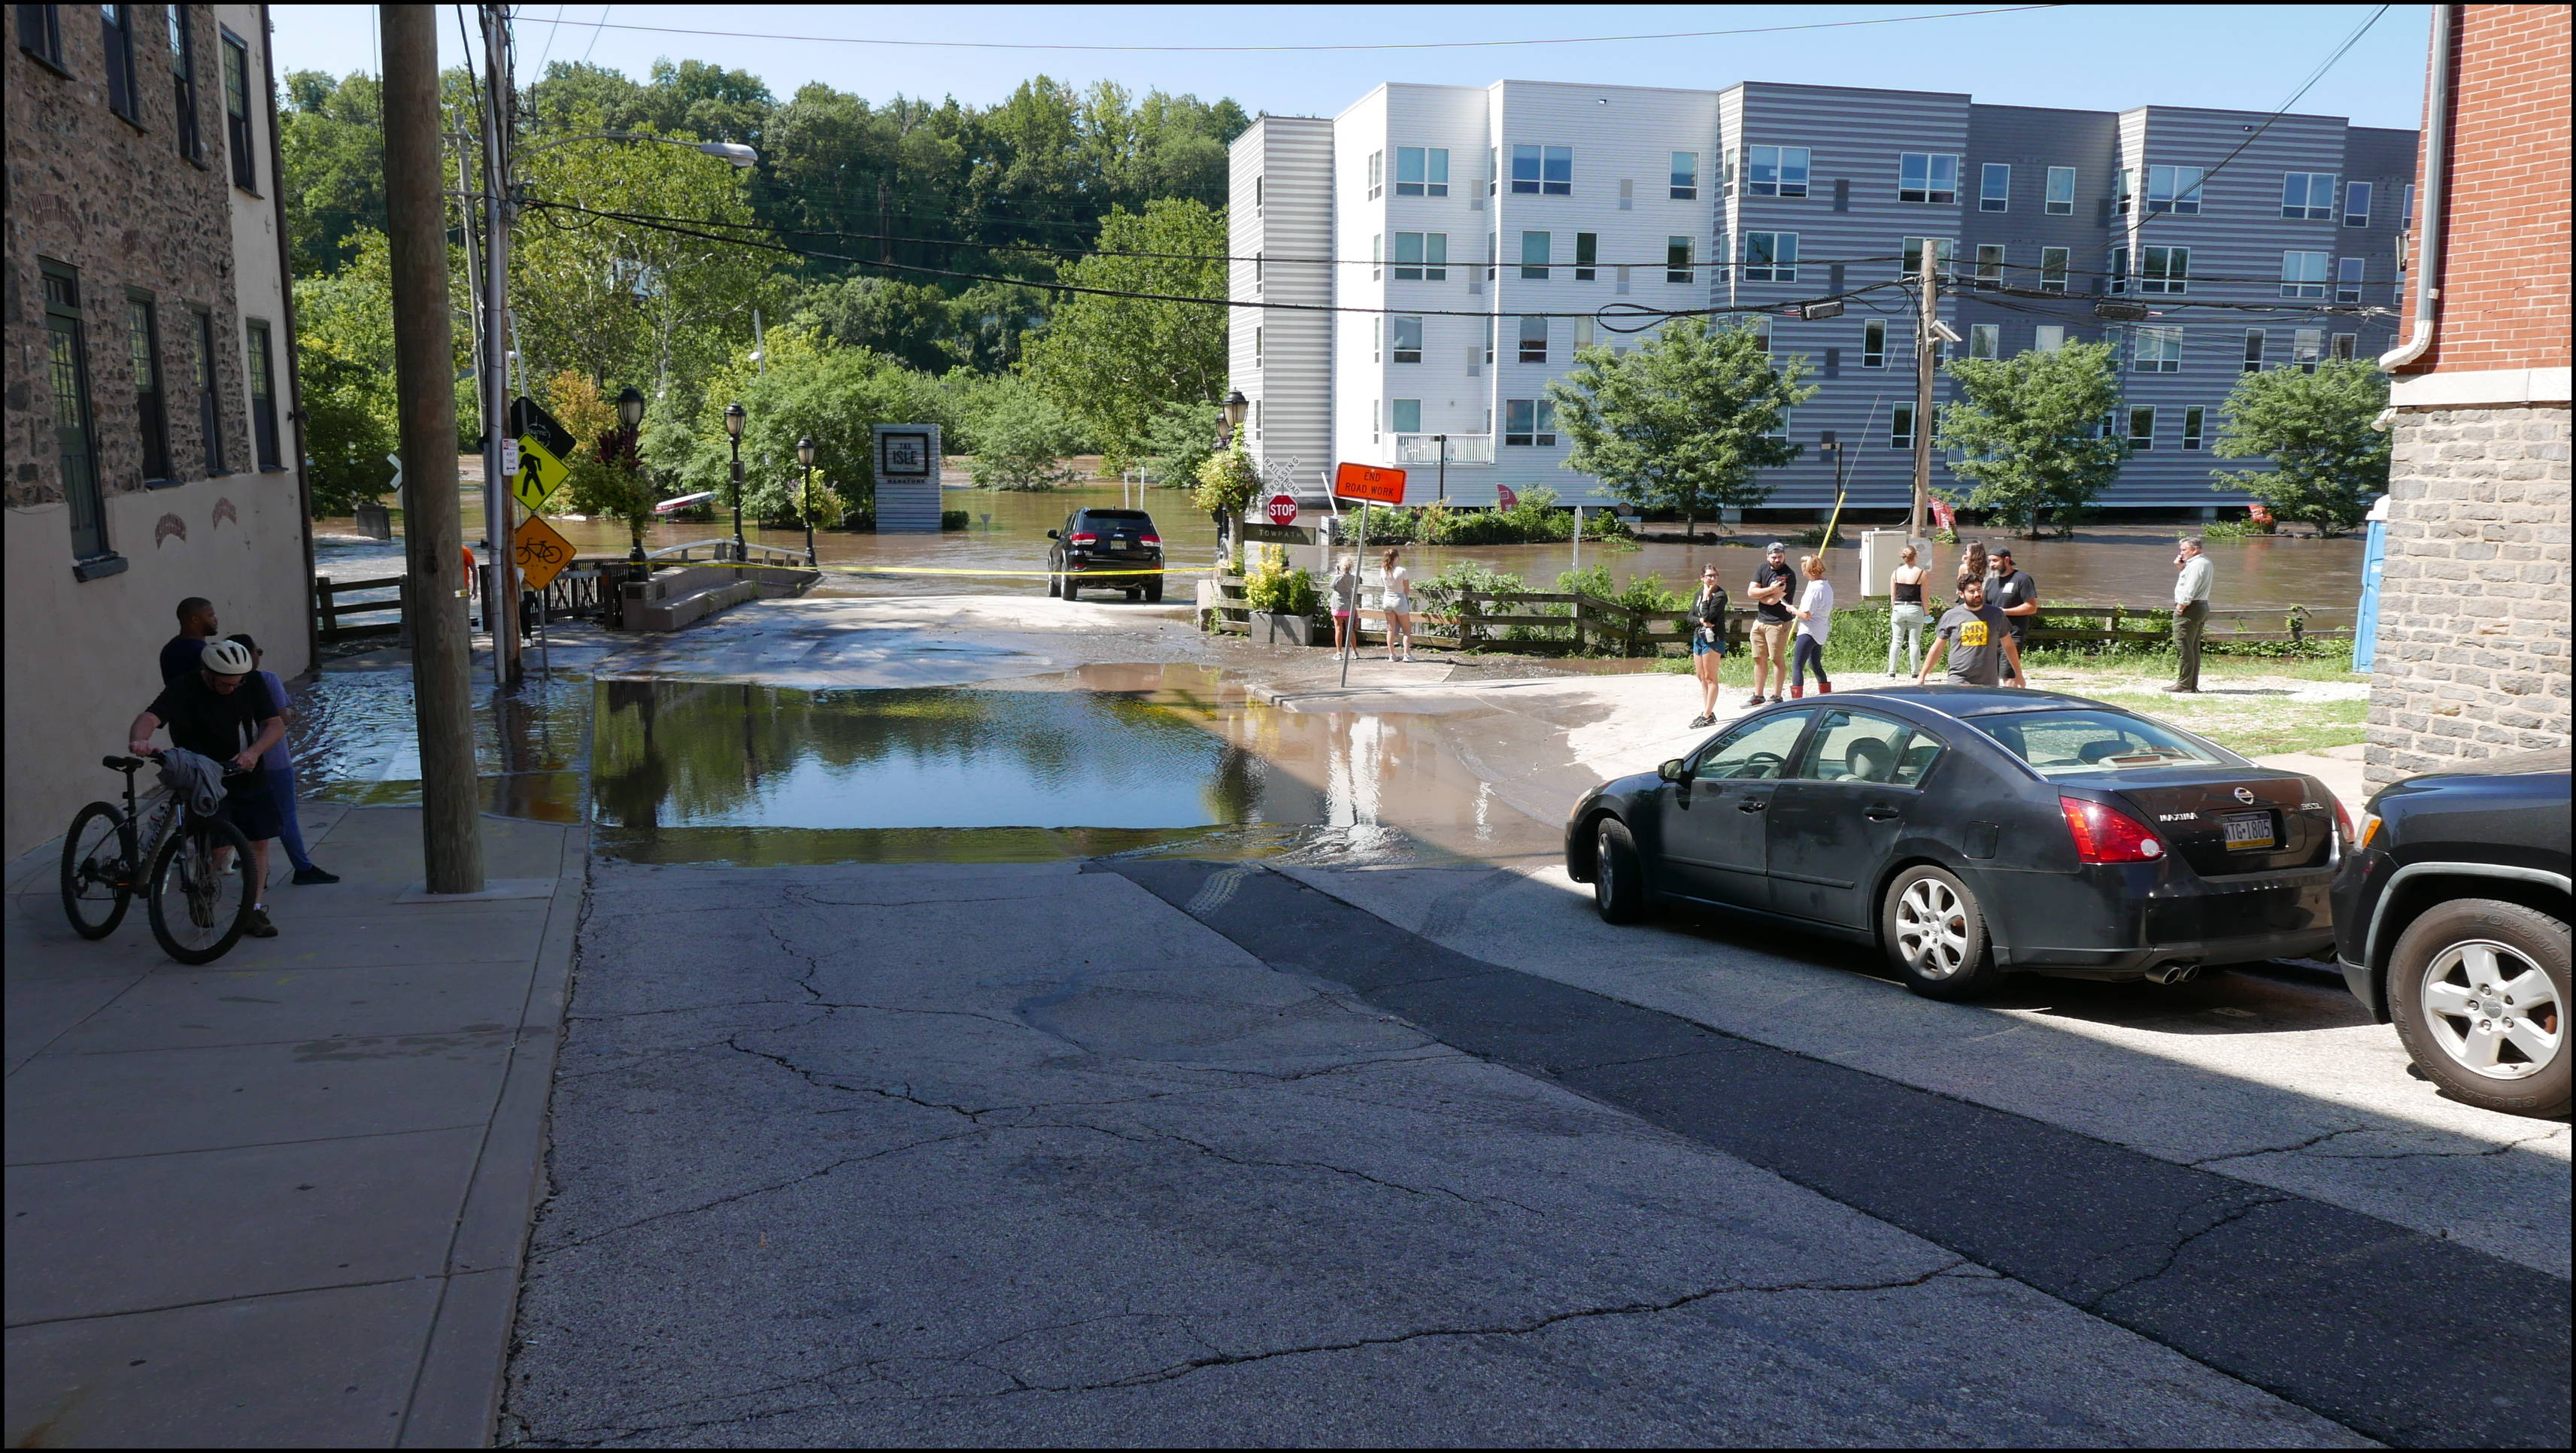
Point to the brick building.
(2473, 637)
(154, 449)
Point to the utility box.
(1881, 551)
(906, 459)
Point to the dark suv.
(2451, 919)
(1120, 548)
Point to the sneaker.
(1755, 700)
(309, 875)
(2179, 689)
(258, 925)
(1775, 698)
(1701, 721)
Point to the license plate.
(2247, 830)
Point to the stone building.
(2473, 614)
(154, 446)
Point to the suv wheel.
(1071, 590)
(1618, 879)
(1935, 936)
(2478, 988)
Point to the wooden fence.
(1583, 624)
(578, 591)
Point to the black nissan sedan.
(1119, 549)
(1974, 832)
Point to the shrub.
(1273, 586)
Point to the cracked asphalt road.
(1030, 1154)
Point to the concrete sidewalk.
(282, 1199)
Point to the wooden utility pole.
(442, 658)
(1928, 312)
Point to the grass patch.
(2257, 726)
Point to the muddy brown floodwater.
(1004, 549)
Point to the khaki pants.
(1771, 643)
(2188, 623)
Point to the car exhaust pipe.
(2174, 971)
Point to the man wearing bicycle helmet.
(209, 713)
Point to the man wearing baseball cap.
(1772, 620)
(209, 712)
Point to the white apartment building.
(1428, 260)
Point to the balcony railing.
(1425, 448)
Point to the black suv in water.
(2451, 918)
(1121, 549)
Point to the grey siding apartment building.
(1469, 239)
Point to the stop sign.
(1282, 510)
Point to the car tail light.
(1154, 540)
(1082, 539)
(2343, 821)
(2107, 835)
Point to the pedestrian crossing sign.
(540, 473)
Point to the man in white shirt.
(2191, 613)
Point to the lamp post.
(733, 417)
(630, 418)
(1235, 406)
(805, 456)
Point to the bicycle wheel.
(200, 894)
(98, 870)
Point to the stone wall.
(2473, 608)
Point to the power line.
(603, 24)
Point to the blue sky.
(2108, 56)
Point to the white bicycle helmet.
(226, 658)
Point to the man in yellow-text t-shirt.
(1978, 640)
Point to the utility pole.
(1928, 313)
(501, 597)
(425, 389)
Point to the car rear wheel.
(1618, 878)
(1935, 936)
(1055, 585)
(1154, 591)
(2479, 992)
(1072, 589)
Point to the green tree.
(2327, 461)
(913, 323)
(1687, 422)
(1179, 439)
(1113, 363)
(810, 389)
(1018, 436)
(2027, 432)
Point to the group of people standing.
(1793, 618)
(1397, 602)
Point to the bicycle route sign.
(541, 551)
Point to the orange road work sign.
(542, 553)
(1369, 482)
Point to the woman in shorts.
(1399, 606)
(1708, 642)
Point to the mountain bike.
(194, 872)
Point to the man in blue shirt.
(196, 627)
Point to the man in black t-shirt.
(196, 628)
(1773, 620)
(2015, 594)
(220, 711)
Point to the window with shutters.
(237, 113)
(183, 82)
(143, 350)
(116, 41)
(40, 33)
(263, 398)
(210, 412)
(67, 370)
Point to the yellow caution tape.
(912, 569)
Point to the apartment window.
(1900, 427)
(116, 39)
(2052, 269)
(2307, 196)
(1529, 422)
(1534, 247)
(1404, 416)
(2159, 350)
(1377, 340)
(1759, 325)
(1941, 250)
(2164, 269)
(40, 33)
(1376, 175)
(2048, 337)
(2194, 421)
(1377, 256)
(143, 347)
(1256, 273)
(2173, 189)
(1985, 340)
(67, 363)
(1256, 347)
(2303, 274)
(1493, 170)
(1543, 170)
(1257, 186)
(1873, 344)
(2122, 191)
(2344, 345)
(1685, 176)
(1489, 337)
(2406, 207)
(1927, 176)
(1493, 254)
(1770, 257)
(1256, 420)
(1408, 339)
(183, 80)
(1422, 171)
(2253, 351)
(237, 112)
(1990, 264)
(1777, 171)
(2116, 278)
(210, 413)
(1377, 420)
(1994, 187)
(2307, 345)
(1422, 257)
(2142, 430)
(1534, 340)
(2347, 279)
(1587, 255)
(1677, 259)
(2356, 204)
(263, 399)
(2061, 191)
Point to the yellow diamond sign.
(542, 553)
(540, 473)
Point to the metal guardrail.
(1463, 449)
(720, 550)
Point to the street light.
(630, 417)
(630, 408)
(805, 456)
(733, 417)
(1236, 406)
